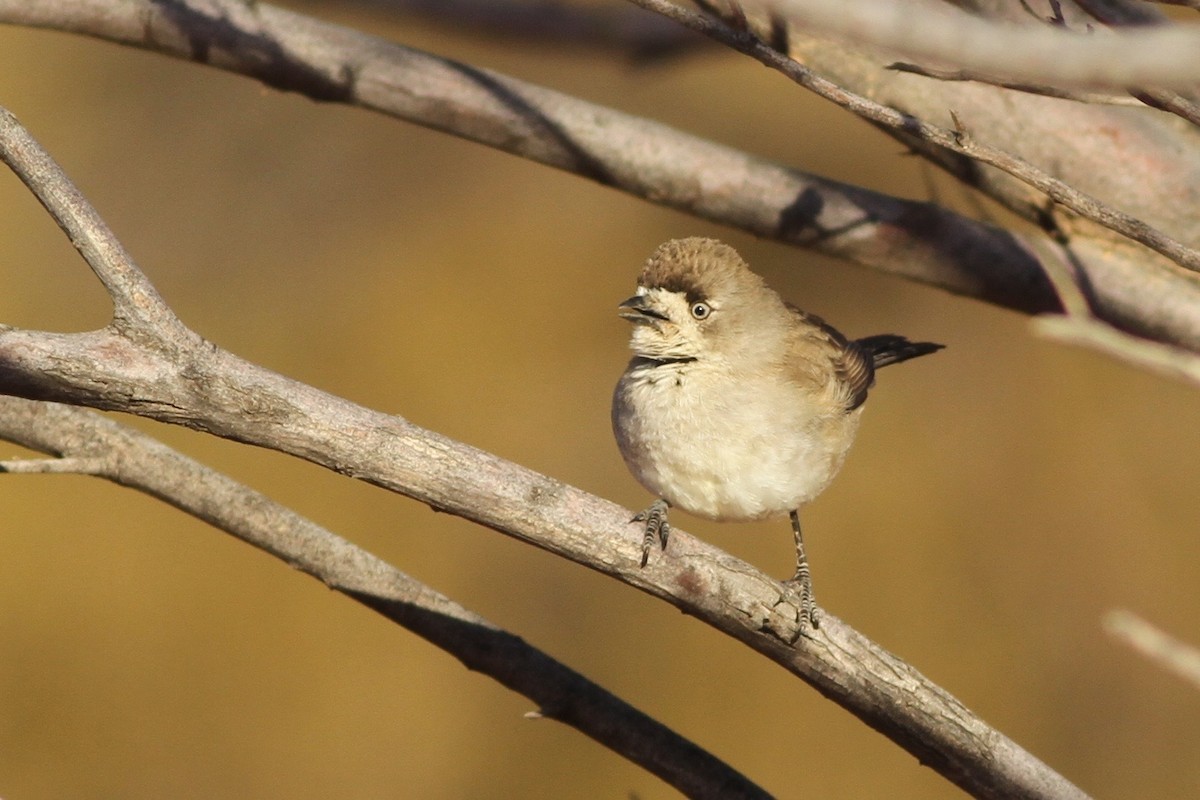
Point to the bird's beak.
(639, 309)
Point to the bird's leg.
(657, 527)
(801, 582)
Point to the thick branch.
(88, 443)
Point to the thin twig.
(133, 301)
(1172, 102)
(1128, 16)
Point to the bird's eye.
(701, 310)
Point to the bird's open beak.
(639, 309)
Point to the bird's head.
(695, 299)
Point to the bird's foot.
(657, 527)
(800, 587)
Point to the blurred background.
(1003, 495)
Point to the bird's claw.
(657, 527)
(800, 586)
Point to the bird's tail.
(889, 348)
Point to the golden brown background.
(1003, 494)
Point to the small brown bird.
(737, 406)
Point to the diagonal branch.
(88, 443)
(1047, 90)
(135, 303)
(190, 382)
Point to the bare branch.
(1159, 56)
(193, 383)
(209, 389)
(1162, 99)
(134, 301)
(1079, 326)
(1165, 650)
(109, 450)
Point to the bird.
(736, 405)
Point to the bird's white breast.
(730, 450)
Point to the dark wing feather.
(853, 366)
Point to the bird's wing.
(850, 366)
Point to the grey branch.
(916, 240)
(159, 374)
(90, 444)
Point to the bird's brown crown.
(698, 268)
